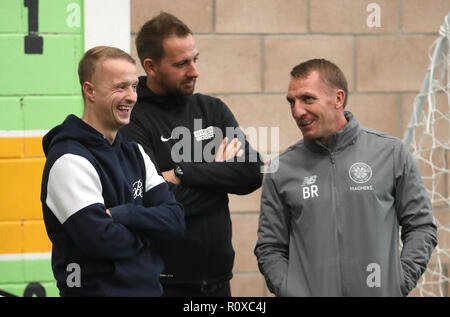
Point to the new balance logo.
(308, 188)
(309, 180)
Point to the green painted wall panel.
(15, 272)
(62, 16)
(43, 113)
(15, 289)
(54, 72)
(18, 289)
(16, 9)
(11, 115)
(20, 273)
(37, 92)
(51, 289)
(38, 270)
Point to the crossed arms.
(74, 195)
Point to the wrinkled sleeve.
(272, 247)
(414, 213)
(240, 175)
(74, 195)
(161, 213)
(195, 200)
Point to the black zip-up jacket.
(190, 128)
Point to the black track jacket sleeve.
(204, 183)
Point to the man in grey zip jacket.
(331, 212)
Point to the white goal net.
(428, 136)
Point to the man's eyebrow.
(186, 59)
(307, 94)
(125, 82)
(180, 61)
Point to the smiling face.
(316, 107)
(176, 72)
(110, 96)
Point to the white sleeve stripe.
(73, 184)
(153, 178)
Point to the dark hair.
(149, 40)
(90, 60)
(329, 72)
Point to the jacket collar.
(145, 94)
(338, 140)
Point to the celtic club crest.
(360, 173)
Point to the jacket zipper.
(338, 223)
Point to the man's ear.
(340, 98)
(149, 66)
(89, 91)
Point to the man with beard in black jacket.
(197, 145)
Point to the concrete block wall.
(248, 47)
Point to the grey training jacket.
(330, 218)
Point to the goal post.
(428, 137)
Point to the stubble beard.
(173, 90)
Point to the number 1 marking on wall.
(33, 42)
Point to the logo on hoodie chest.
(204, 134)
(138, 189)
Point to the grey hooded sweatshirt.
(330, 218)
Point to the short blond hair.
(94, 56)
